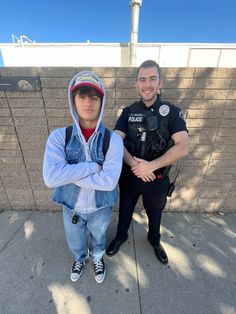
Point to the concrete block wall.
(207, 96)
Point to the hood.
(85, 78)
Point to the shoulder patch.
(164, 110)
(181, 115)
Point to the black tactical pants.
(154, 196)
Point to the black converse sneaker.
(76, 271)
(99, 271)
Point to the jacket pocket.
(72, 156)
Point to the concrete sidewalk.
(200, 277)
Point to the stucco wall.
(207, 96)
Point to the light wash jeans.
(95, 225)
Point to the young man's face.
(88, 108)
(148, 84)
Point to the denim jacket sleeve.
(107, 178)
(56, 170)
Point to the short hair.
(87, 90)
(149, 64)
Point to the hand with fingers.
(143, 169)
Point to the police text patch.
(135, 118)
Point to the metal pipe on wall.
(135, 8)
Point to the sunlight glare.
(226, 309)
(233, 249)
(180, 261)
(229, 233)
(67, 300)
(210, 266)
(125, 276)
(28, 229)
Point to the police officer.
(155, 137)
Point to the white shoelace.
(98, 266)
(77, 266)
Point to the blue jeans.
(95, 225)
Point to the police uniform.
(148, 135)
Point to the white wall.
(61, 55)
(117, 55)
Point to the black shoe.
(99, 271)
(76, 271)
(114, 246)
(160, 253)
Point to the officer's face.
(148, 85)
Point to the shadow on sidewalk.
(35, 265)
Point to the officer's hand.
(133, 162)
(143, 168)
(148, 178)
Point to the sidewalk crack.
(136, 264)
(15, 233)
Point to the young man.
(155, 136)
(83, 175)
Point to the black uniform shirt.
(176, 121)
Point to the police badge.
(164, 110)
